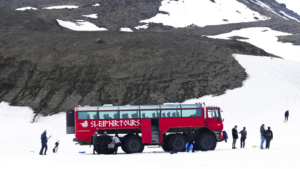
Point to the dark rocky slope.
(54, 71)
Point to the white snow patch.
(26, 8)
(96, 4)
(290, 17)
(93, 16)
(183, 13)
(125, 29)
(272, 88)
(80, 25)
(142, 26)
(62, 7)
(266, 40)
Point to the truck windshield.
(213, 113)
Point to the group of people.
(236, 136)
(265, 135)
(101, 143)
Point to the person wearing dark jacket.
(105, 140)
(243, 137)
(262, 136)
(95, 143)
(235, 136)
(44, 140)
(286, 115)
(191, 140)
(269, 137)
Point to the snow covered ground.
(26, 8)
(266, 38)
(272, 88)
(183, 13)
(125, 29)
(93, 16)
(80, 25)
(62, 7)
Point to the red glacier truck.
(148, 125)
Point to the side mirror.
(223, 120)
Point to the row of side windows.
(139, 114)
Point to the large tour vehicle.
(139, 126)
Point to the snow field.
(183, 13)
(26, 8)
(272, 88)
(125, 29)
(93, 16)
(266, 39)
(80, 25)
(62, 7)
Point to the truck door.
(146, 130)
(213, 119)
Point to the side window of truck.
(213, 113)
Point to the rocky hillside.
(51, 68)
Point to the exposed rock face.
(54, 71)
(294, 39)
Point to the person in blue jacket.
(44, 140)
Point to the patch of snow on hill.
(272, 88)
(26, 8)
(80, 25)
(62, 7)
(290, 17)
(266, 39)
(292, 5)
(125, 29)
(142, 26)
(93, 16)
(183, 13)
(96, 4)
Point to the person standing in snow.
(243, 137)
(269, 137)
(286, 115)
(191, 140)
(44, 140)
(235, 136)
(95, 142)
(116, 141)
(262, 136)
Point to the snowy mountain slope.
(276, 9)
(291, 4)
(272, 88)
(266, 39)
(202, 13)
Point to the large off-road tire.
(206, 141)
(177, 144)
(133, 144)
(164, 145)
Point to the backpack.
(268, 133)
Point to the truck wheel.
(206, 141)
(178, 143)
(165, 144)
(133, 144)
